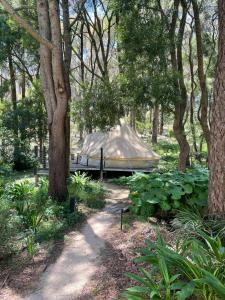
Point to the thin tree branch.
(10, 10)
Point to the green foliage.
(93, 107)
(193, 269)
(32, 127)
(4, 88)
(90, 192)
(168, 149)
(23, 157)
(10, 227)
(5, 170)
(144, 41)
(187, 222)
(123, 180)
(29, 216)
(31, 203)
(163, 194)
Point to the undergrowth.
(29, 217)
(90, 192)
(194, 269)
(162, 194)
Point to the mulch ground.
(109, 281)
(116, 259)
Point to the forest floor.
(91, 263)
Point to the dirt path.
(79, 261)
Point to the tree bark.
(193, 87)
(203, 118)
(177, 65)
(14, 106)
(55, 89)
(161, 125)
(24, 24)
(82, 77)
(150, 116)
(13, 91)
(67, 64)
(216, 201)
(155, 124)
(56, 97)
(132, 118)
(23, 85)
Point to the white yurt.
(122, 148)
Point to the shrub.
(3, 181)
(28, 215)
(31, 203)
(5, 168)
(23, 158)
(195, 268)
(187, 222)
(163, 194)
(92, 193)
(10, 226)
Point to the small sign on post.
(101, 165)
(73, 203)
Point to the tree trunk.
(133, 119)
(16, 163)
(40, 140)
(181, 138)
(193, 87)
(192, 123)
(67, 42)
(155, 124)
(13, 91)
(150, 116)
(23, 85)
(55, 88)
(203, 118)
(86, 111)
(161, 125)
(57, 159)
(177, 65)
(56, 97)
(216, 201)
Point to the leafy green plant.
(28, 216)
(10, 227)
(163, 194)
(194, 268)
(90, 192)
(188, 221)
(3, 182)
(31, 203)
(30, 243)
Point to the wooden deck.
(77, 167)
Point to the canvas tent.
(122, 148)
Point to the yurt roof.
(121, 143)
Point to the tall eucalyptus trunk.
(177, 65)
(203, 116)
(12, 74)
(56, 95)
(161, 125)
(192, 95)
(55, 80)
(155, 124)
(216, 201)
